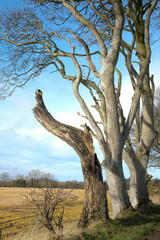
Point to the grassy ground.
(133, 226)
(16, 214)
(18, 217)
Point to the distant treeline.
(42, 183)
(39, 179)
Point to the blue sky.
(25, 145)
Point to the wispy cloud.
(38, 134)
(69, 164)
(59, 148)
(19, 160)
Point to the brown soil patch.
(155, 235)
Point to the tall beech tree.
(137, 159)
(36, 41)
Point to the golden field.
(17, 215)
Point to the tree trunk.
(95, 202)
(138, 159)
(138, 187)
(118, 190)
(137, 163)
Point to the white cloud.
(19, 160)
(7, 165)
(36, 133)
(4, 149)
(126, 96)
(70, 118)
(58, 143)
(74, 164)
(3, 162)
(53, 144)
(69, 164)
(59, 148)
(29, 154)
(67, 174)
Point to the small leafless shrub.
(48, 203)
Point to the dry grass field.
(17, 215)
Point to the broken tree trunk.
(95, 202)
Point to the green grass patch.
(132, 225)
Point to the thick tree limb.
(73, 136)
(88, 114)
(107, 83)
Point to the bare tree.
(39, 178)
(34, 176)
(32, 43)
(4, 177)
(35, 173)
(49, 207)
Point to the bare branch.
(91, 64)
(88, 24)
(102, 16)
(88, 114)
(140, 78)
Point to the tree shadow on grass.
(140, 216)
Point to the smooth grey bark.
(113, 164)
(95, 202)
(139, 190)
(137, 164)
(113, 144)
(138, 187)
(137, 160)
(118, 190)
(112, 147)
